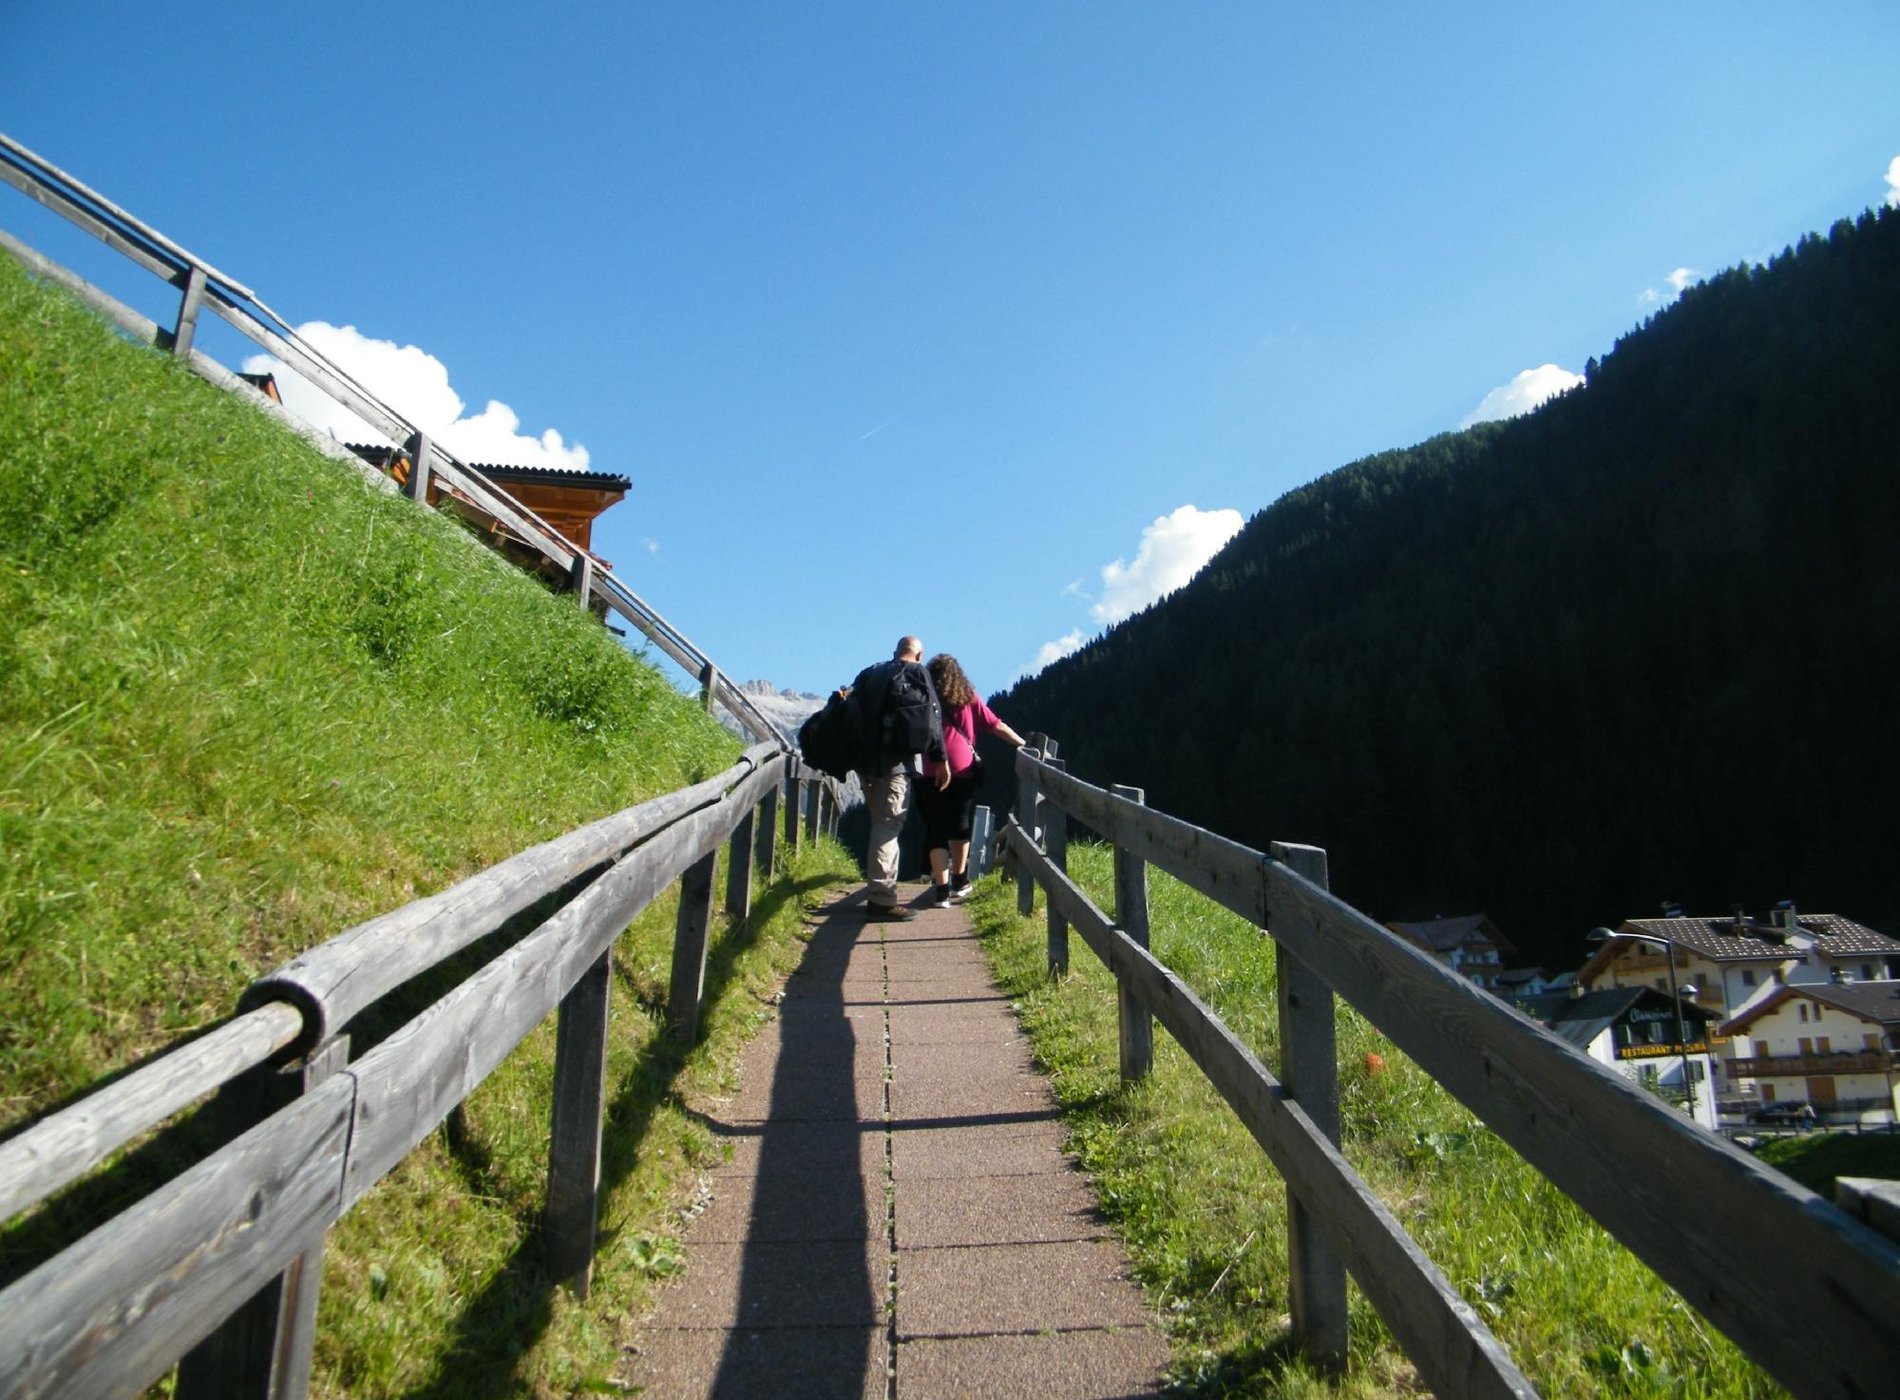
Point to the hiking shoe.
(890, 913)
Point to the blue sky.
(983, 321)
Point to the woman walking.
(950, 811)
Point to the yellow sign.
(1647, 1052)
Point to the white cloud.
(415, 384)
(1893, 183)
(1525, 392)
(1678, 280)
(1062, 646)
(1172, 551)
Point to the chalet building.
(1725, 966)
(1470, 945)
(568, 501)
(1642, 1035)
(1833, 1045)
(1523, 982)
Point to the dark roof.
(1511, 976)
(1878, 1002)
(551, 476)
(377, 454)
(1581, 1020)
(1746, 939)
(1442, 935)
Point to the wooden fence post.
(1027, 800)
(980, 836)
(794, 800)
(1309, 1068)
(739, 869)
(264, 1349)
(690, 935)
(1131, 916)
(580, 1093)
(708, 685)
(186, 329)
(768, 831)
(416, 488)
(580, 577)
(1055, 841)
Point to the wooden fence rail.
(202, 288)
(1807, 1291)
(220, 1265)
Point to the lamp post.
(1668, 945)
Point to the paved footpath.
(897, 1218)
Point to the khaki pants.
(888, 800)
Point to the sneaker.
(959, 893)
(939, 895)
(890, 913)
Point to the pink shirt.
(960, 727)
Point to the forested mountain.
(1638, 645)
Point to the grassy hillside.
(245, 701)
(1204, 1212)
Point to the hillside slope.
(1639, 645)
(246, 700)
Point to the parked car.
(1798, 1114)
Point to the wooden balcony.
(1836, 1062)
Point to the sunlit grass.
(247, 701)
(1204, 1212)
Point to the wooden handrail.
(338, 978)
(111, 1313)
(1785, 1274)
(1453, 1349)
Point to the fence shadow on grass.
(503, 1321)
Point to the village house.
(1724, 966)
(1642, 1035)
(1470, 945)
(1831, 1045)
(567, 501)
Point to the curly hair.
(953, 687)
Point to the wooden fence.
(217, 1270)
(201, 288)
(220, 1266)
(1810, 1293)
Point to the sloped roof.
(1442, 935)
(1748, 939)
(551, 476)
(1878, 1002)
(1581, 1020)
(380, 455)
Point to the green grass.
(1204, 1213)
(1817, 1159)
(246, 701)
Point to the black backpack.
(833, 740)
(907, 707)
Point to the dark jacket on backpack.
(909, 717)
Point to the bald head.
(909, 649)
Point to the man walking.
(904, 720)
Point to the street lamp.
(1599, 936)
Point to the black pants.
(949, 815)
